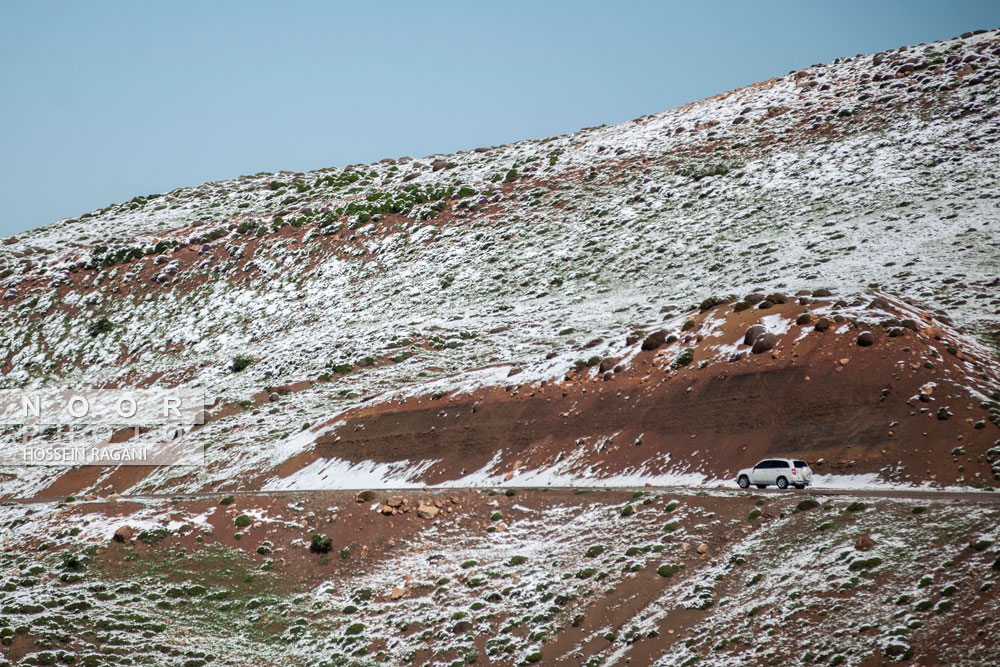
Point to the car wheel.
(743, 481)
(762, 486)
(782, 483)
(800, 486)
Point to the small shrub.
(628, 510)
(320, 544)
(240, 362)
(100, 326)
(228, 500)
(595, 551)
(668, 570)
(856, 506)
(355, 629)
(807, 504)
(243, 520)
(864, 564)
(755, 514)
(685, 357)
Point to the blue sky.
(107, 100)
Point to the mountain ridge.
(872, 172)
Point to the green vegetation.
(241, 362)
(320, 544)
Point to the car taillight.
(794, 471)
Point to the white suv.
(781, 472)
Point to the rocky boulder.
(753, 333)
(764, 342)
(425, 511)
(124, 534)
(654, 340)
(864, 543)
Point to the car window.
(801, 464)
(782, 464)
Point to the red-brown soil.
(847, 409)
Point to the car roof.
(778, 458)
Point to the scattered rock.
(427, 511)
(822, 324)
(944, 413)
(752, 333)
(438, 165)
(365, 497)
(654, 340)
(865, 339)
(764, 342)
(124, 534)
(397, 593)
(864, 543)
(702, 548)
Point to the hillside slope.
(502, 266)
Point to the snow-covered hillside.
(872, 172)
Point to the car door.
(782, 469)
(761, 473)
